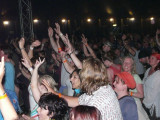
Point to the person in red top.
(112, 69)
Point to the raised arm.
(132, 51)
(71, 52)
(23, 52)
(6, 106)
(72, 101)
(84, 40)
(34, 80)
(32, 46)
(67, 65)
(157, 39)
(53, 43)
(58, 31)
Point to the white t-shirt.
(152, 92)
(105, 100)
(33, 105)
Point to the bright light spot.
(35, 20)
(152, 18)
(89, 20)
(130, 12)
(114, 25)
(132, 19)
(111, 19)
(5, 22)
(63, 20)
(108, 10)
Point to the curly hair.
(55, 105)
(83, 112)
(93, 75)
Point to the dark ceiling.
(84, 8)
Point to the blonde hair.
(133, 70)
(50, 80)
(93, 75)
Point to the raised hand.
(26, 63)
(2, 69)
(46, 84)
(50, 32)
(39, 63)
(36, 43)
(84, 39)
(21, 43)
(57, 29)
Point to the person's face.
(2, 54)
(42, 88)
(153, 61)
(106, 48)
(127, 64)
(43, 114)
(143, 60)
(117, 52)
(118, 85)
(107, 63)
(75, 80)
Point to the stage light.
(89, 20)
(35, 20)
(63, 20)
(132, 19)
(111, 19)
(6, 22)
(151, 18)
(114, 25)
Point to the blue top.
(9, 76)
(128, 108)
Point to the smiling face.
(118, 85)
(75, 80)
(153, 61)
(127, 65)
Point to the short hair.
(54, 104)
(50, 80)
(7, 50)
(82, 112)
(93, 75)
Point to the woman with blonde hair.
(97, 91)
(128, 65)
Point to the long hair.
(133, 70)
(82, 112)
(93, 75)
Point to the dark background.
(77, 11)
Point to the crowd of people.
(64, 78)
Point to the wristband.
(131, 93)
(30, 69)
(3, 96)
(31, 48)
(65, 61)
(71, 53)
(21, 48)
(61, 34)
(60, 95)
